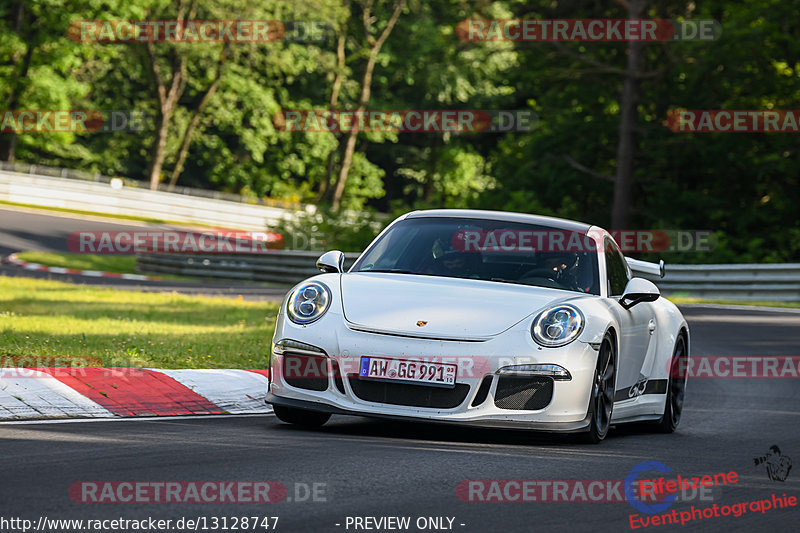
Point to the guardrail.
(769, 282)
(285, 267)
(102, 197)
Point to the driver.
(450, 263)
(454, 262)
(557, 263)
(448, 260)
(566, 269)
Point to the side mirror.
(639, 290)
(332, 261)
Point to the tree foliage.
(221, 132)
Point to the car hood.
(450, 308)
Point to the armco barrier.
(769, 282)
(100, 197)
(773, 282)
(286, 267)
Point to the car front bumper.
(338, 389)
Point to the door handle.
(651, 326)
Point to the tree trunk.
(366, 87)
(193, 123)
(159, 150)
(626, 147)
(10, 147)
(428, 187)
(324, 186)
(167, 101)
(347, 162)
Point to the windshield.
(490, 250)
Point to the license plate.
(427, 373)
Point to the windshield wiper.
(390, 270)
(512, 281)
(503, 280)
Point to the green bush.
(348, 231)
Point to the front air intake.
(483, 391)
(523, 393)
(305, 371)
(408, 394)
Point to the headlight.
(557, 326)
(308, 302)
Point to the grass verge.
(124, 264)
(50, 323)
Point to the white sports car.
(482, 318)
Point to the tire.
(601, 397)
(300, 417)
(676, 390)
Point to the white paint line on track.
(740, 410)
(128, 419)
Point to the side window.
(616, 270)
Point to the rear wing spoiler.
(654, 269)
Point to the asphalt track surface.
(32, 230)
(375, 468)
